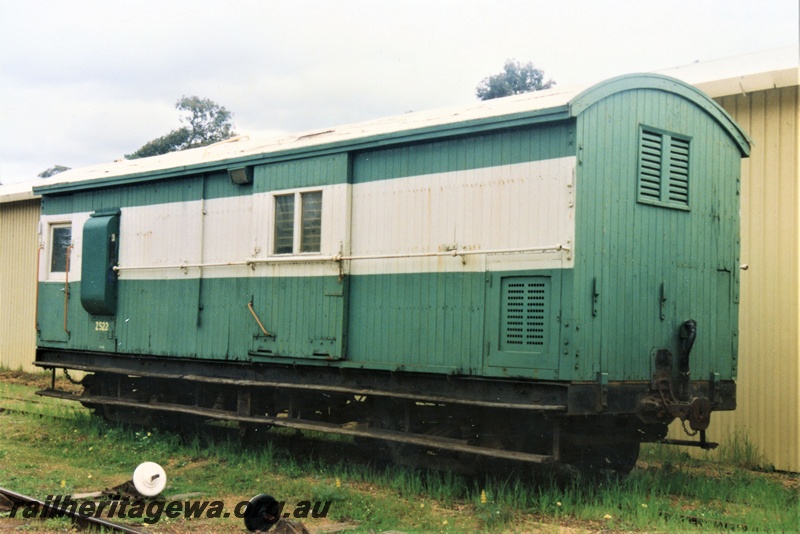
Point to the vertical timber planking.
(653, 245)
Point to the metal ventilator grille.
(679, 171)
(650, 166)
(524, 313)
(663, 169)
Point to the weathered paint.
(550, 141)
(510, 206)
(601, 298)
(767, 412)
(183, 189)
(201, 312)
(639, 254)
(99, 288)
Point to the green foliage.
(206, 122)
(171, 142)
(739, 451)
(735, 451)
(516, 78)
(52, 171)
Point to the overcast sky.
(84, 82)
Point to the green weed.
(739, 451)
(76, 452)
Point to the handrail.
(36, 294)
(118, 268)
(260, 325)
(66, 288)
(340, 258)
(455, 253)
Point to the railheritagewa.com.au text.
(152, 512)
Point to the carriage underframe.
(591, 425)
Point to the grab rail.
(66, 288)
(36, 295)
(340, 258)
(260, 325)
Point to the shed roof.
(758, 71)
(17, 192)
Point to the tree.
(173, 141)
(207, 122)
(515, 79)
(55, 169)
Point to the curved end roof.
(660, 82)
(539, 106)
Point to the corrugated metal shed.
(762, 93)
(19, 216)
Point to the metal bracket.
(602, 392)
(702, 444)
(713, 383)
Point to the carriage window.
(284, 224)
(298, 232)
(311, 224)
(61, 239)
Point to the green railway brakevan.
(547, 277)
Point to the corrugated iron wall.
(18, 245)
(769, 367)
(768, 410)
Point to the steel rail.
(47, 510)
(36, 296)
(66, 289)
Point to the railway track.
(13, 405)
(721, 524)
(46, 510)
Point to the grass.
(738, 450)
(65, 450)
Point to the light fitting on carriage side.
(241, 175)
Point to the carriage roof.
(525, 109)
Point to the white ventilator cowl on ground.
(149, 479)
